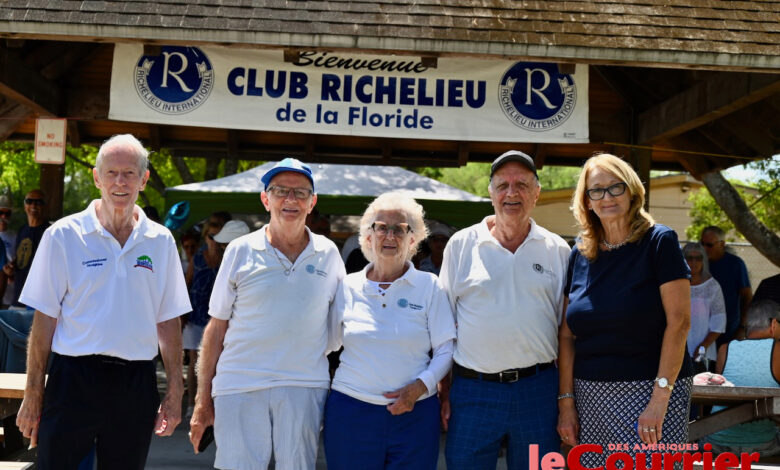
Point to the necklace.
(610, 246)
(286, 268)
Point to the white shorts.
(191, 336)
(287, 420)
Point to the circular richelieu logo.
(536, 96)
(175, 82)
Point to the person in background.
(625, 377)
(504, 278)
(7, 245)
(108, 290)
(203, 272)
(27, 241)
(438, 237)
(708, 309)
(769, 288)
(752, 362)
(262, 373)
(318, 223)
(396, 325)
(731, 273)
(190, 241)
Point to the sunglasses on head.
(36, 201)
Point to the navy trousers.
(97, 402)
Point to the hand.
(29, 416)
(8, 269)
(406, 397)
(650, 423)
(568, 423)
(168, 415)
(202, 417)
(444, 399)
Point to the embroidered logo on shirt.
(403, 303)
(415, 306)
(312, 270)
(144, 262)
(93, 263)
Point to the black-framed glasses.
(36, 201)
(5, 213)
(283, 192)
(694, 258)
(708, 244)
(398, 230)
(597, 194)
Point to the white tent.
(341, 189)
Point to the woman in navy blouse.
(625, 377)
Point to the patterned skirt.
(609, 411)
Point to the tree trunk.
(766, 242)
(184, 170)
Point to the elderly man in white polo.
(505, 278)
(263, 374)
(107, 288)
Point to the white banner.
(344, 93)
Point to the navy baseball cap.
(513, 156)
(288, 164)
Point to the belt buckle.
(508, 376)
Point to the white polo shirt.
(278, 324)
(388, 337)
(507, 305)
(107, 299)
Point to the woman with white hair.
(708, 309)
(397, 329)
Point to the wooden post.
(53, 185)
(641, 160)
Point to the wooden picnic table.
(11, 395)
(743, 405)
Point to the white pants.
(248, 426)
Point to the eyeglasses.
(31, 201)
(398, 231)
(693, 258)
(5, 213)
(709, 245)
(282, 192)
(597, 194)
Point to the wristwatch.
(663, 382)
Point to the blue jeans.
(484, 413)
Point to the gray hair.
(760, 314)
(396, 202)
(127, 141)
(715, 230)
(696, 248)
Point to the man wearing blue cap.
(504, 277)
(263, 374)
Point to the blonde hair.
(591, 230)
(393, 202)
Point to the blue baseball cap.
(288, 164)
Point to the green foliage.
(559, 177)
(765, 204)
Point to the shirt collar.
(144, 226)
(259, 241)
(410, 277)
(484, 235)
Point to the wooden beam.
(74, 133)
(463, 153)
(231, 161)
(539, 155)
(13, 114)
(704, 102)
(641, 159)
(27, 86)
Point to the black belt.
(505, 376)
